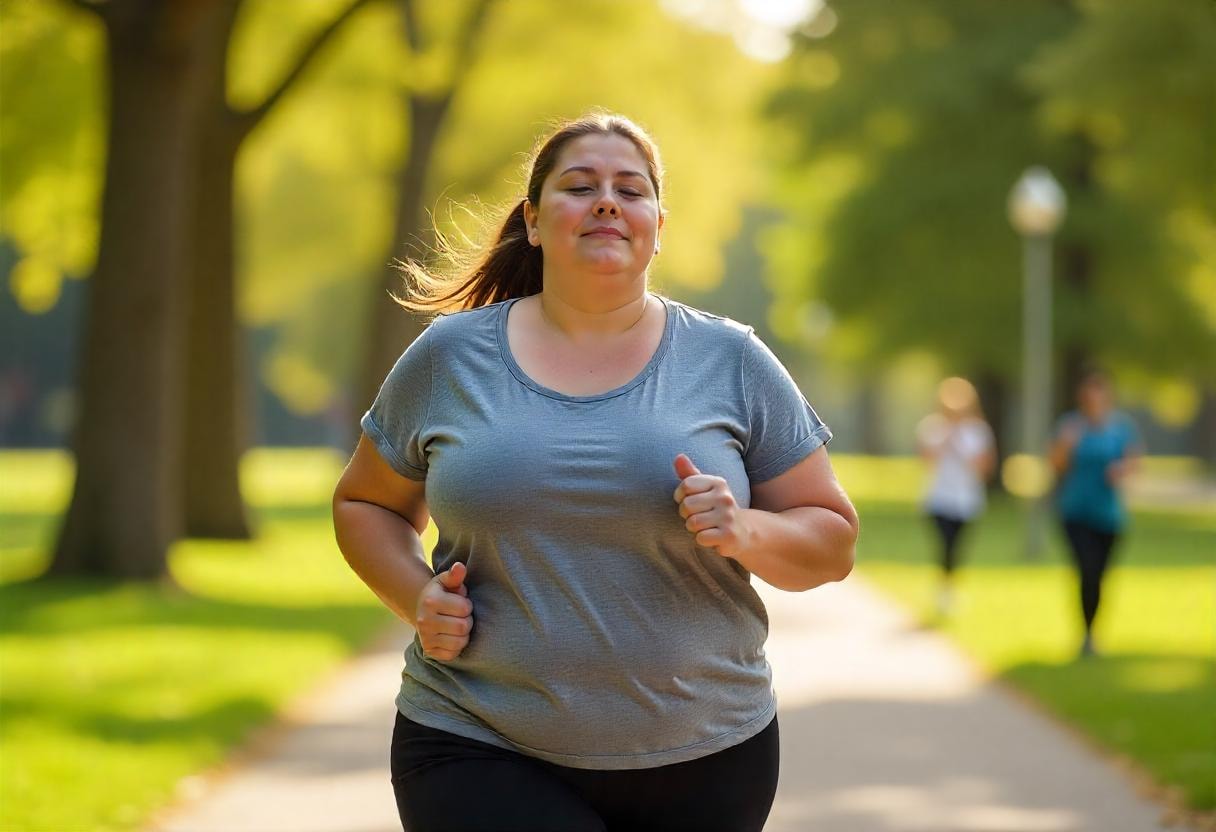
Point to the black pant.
(949, 529)
(1091, 550)
(446, 783)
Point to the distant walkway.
(883, 729)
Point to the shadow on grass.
(221, 723)
(51, 607)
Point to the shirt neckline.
(504, 348)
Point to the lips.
(605, 231)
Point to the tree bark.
(125, 507)
(217, 419)
(993, 389)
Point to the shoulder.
(464, 327)
(702, 324)
(466, 319)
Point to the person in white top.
(958, 444)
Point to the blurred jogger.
(958, 444)
(1095, 448)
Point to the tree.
(125, 506)
(919, 119)
(215, 430)
(1138, 81)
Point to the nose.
(606, 206)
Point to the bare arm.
(799, 533)
(378, 518)
(1060, 454)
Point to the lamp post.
(1036, 207)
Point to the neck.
(575, 318)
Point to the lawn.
(1149, 697)
(110, 693)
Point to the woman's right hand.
(444, 615)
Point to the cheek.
(644, 222)
(562, 214)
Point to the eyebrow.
(583, 169)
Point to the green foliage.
(1138, 80)
(918, 117)
(51, 144)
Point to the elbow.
(846, 554)
(339, 509)
(837, 563)
(844, 565)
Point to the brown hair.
(510, 267)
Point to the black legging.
(446, 783)
(1091, 550)
(949, 529)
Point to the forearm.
(1060, 457)
(799, 548)
(385, 551)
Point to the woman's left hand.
(709, 510)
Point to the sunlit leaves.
(51, 136)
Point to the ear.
(659, 232)
(530, 223)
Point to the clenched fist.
(444, 615)
(709, 509)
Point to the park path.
(884, 728)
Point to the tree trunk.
(217, 417)
(215, 420)
(125, 507)
(993, 390)
(217, 396)
(1076, 272)
(392, 328)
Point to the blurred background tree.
(905, 129)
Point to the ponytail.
(509, 268)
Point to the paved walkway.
(884, 728)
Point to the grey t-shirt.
(604, 637)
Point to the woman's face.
(1095, 398)
(598, 210)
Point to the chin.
(608, 265)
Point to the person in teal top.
(1095, 448)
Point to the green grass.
(1151, 694)
(111, 693)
